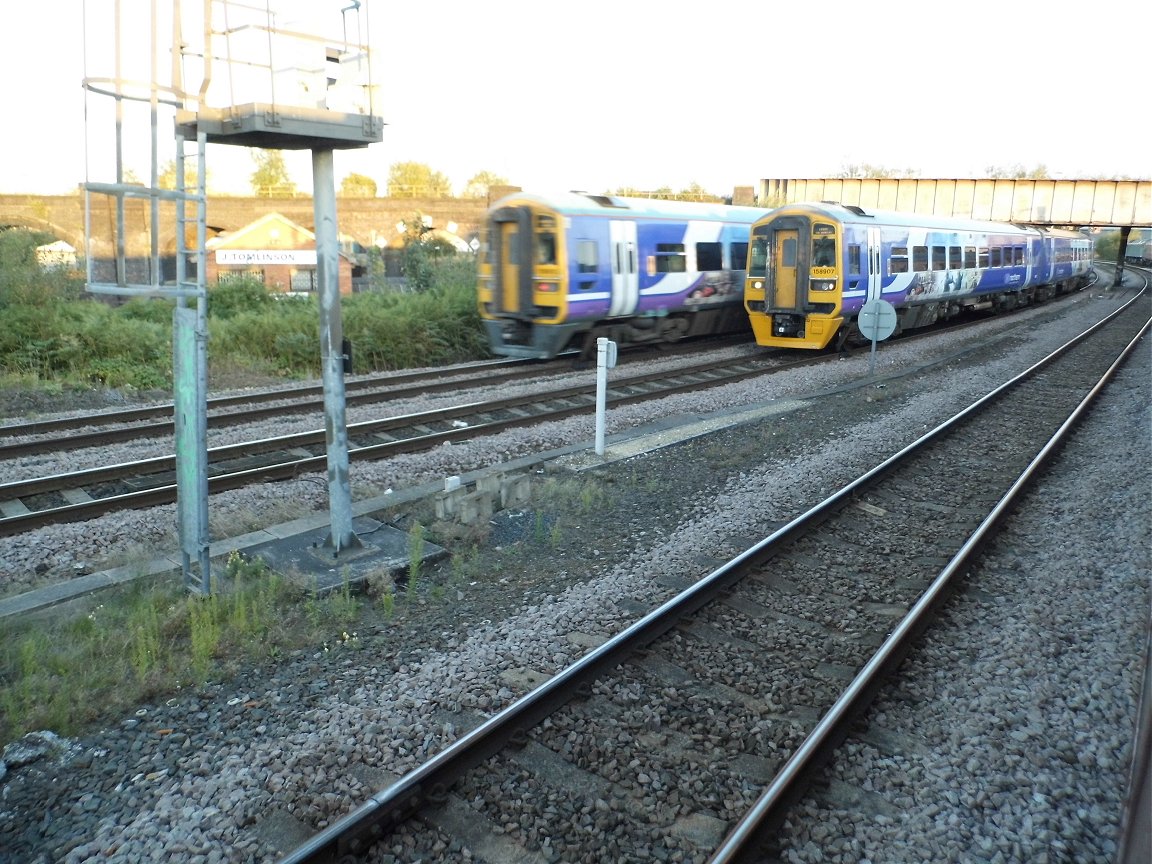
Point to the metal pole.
(341, 535)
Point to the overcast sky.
(601, 94)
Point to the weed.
(205, 631)
(415, 558)
(344, 605)
(464, 566)
(388, 604)
(144, 639)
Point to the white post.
(605, 360)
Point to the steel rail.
(578, 400)
(748, 837)
(353, 834)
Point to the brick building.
(274, 250)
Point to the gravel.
(1024, 709)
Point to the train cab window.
(758, 257)
(823, 252)
(982, 256)
(898, 259)
(738, 253)
(969, 257)
(955, 258)
(939, 258)
(670, 258)
(512, 248)
(709, 256)
(586, 259)
(854, 259)
(545, 248)
(919, 258)
(997, 259)
(788, 252)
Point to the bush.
(236, 296)
(284, 335)
(84, 341)
(441, 325)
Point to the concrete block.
(515, 491)
(474, 508)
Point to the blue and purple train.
(557, 272)
(812, 267)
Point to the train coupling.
(787, 325)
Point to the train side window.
(709, 256)
(969, 257)
(955, 258)
(997, 259)
(854, 259)
(670, 258)
(898, 260)
(586, 258)
(758, 259)
(939, 258)
(1019, 254)
(983, 257)
(919, 258)
(738, 252)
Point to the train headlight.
(758, 285)
(822, 285)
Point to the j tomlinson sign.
(266, 256)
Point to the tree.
(417, 180)
(1108, 244)
(166, 176)
(271, 174)
(480, 185)
(422, 248)
(358, 186)
(1017, 172)
(867, 170)
(696, 192)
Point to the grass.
(150, 641)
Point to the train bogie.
(813, 266)
(557, 272)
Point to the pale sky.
(602, 94)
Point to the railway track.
(27, 504)
(139, 423)
(87, 494)
(106, 427)
(697, 726)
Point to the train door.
(785, 242)
(510, 238)
(875, 277)
(625, 270)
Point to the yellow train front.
(812, 267)
(792, 290)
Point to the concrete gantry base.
(306, 561)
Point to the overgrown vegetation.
(148, 642)
(55, 335)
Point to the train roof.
(585, 204)
(866, 216)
